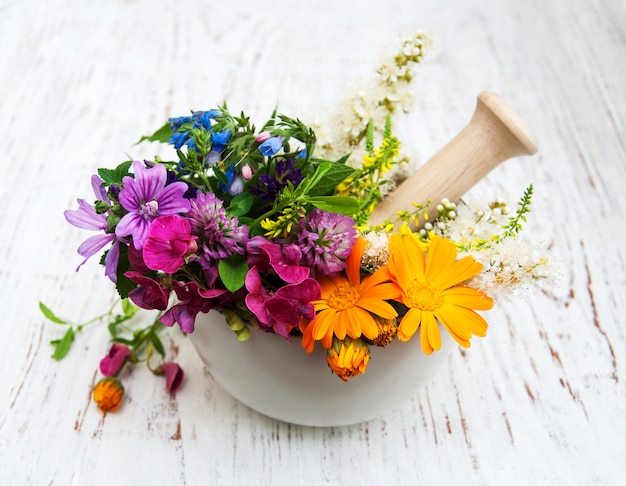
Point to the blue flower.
(202, 119)
(234, 185)
(175, 123)
(271, 146)
(179, 139)
(219, 139)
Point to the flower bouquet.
(278, 236)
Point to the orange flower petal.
(409, 324)
(468, 297)
(441, 254)
(458, 272)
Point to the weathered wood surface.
(541, 400)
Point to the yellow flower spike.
(108, 394)
(348, 358)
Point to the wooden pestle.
(494, 134)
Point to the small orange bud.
(348, 358)
(108, 394)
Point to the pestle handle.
(494, 134)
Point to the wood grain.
(540, 400)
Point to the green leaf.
(63, 346)
(233, 272)
(241, 204)
(124, 284)
(50, 315)
(162, 135)
(335, 204)
(337, 173)
(311, 182)
(128, 308)
(156, 342)
(114, 176)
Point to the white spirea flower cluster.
(344, 127)
(509, 266)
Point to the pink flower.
(174, 375)
(169, 241)
(246, 172)
(257, 297)
(284, 260)
(149, 294)
(263, 137)
(282, 311)
(292, 302)
(113, 361)
(192, 300)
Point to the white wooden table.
(541, 400)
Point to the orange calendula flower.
(347, 303)
(348, 358)
(108, 394)
(431, 292)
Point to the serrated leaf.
(50, 315)
(233, 272)
(63, 345)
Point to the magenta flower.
(257, 296)
(292, 302)
(285, 261)
(283, 310)
(145, 197)
(192, 300)
(169, 241)
(326, 240)
(174, 375)
(148, 294)
(86, 217)
(113, 361)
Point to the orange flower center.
(344, 297)
(424, 295)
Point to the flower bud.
(108, 394)
(113, 361)
(348, 358)
(246, 172)
(174, 375)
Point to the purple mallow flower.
(86, 217)
(145, 197)
(325, 240)
(219, 234)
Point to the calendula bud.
(387, 329)
(108, 394)
(348, 358)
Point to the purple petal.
(171, 199)
(111, 261)
(98, 190)
(129, 196)
(85, 217)
(149, 181)
(135, 225)
(93, 245)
